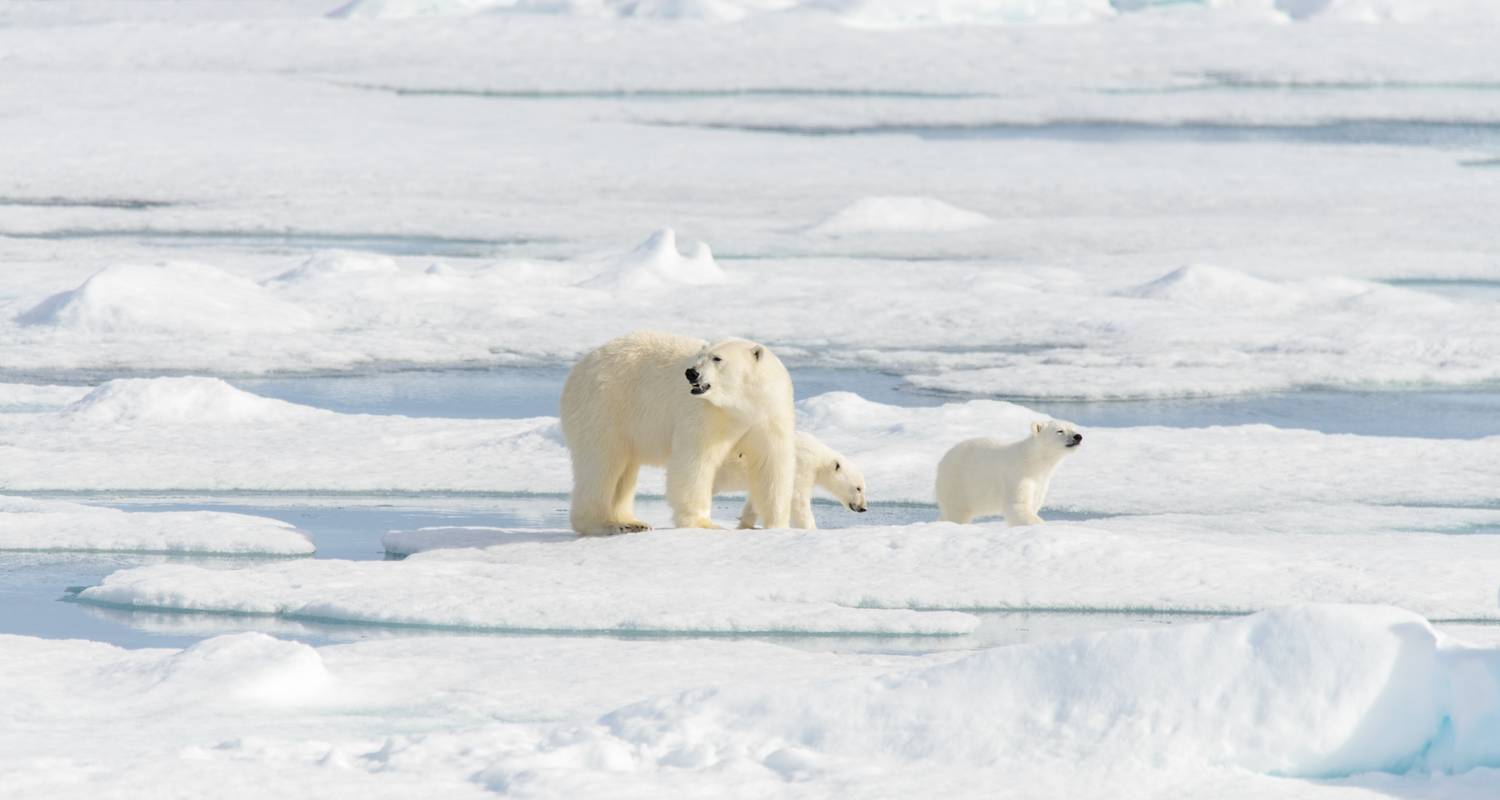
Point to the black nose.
(1077, 437)
(692, 375)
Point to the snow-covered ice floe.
(916, 579)
(191, 434)
(1297, 702)
(50, 525)
(1012, 330)
(905, 13)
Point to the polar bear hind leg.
(596, 483)
(623, 513)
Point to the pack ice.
(1298, 702)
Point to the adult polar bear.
(658, 399)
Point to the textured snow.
(166, 298)
(50, 525)
(1198, 330)
(1283, 704)
(864, 579)
(1308, 691)
(27, 397)
(874, 214)
(202, 434)
(903, 13)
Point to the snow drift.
(1315, 691)
(170, 297)
(187, 400)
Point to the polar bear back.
(812, 457)
(642, 375)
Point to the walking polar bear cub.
(659, 399)
(817, 465)
(986, 476)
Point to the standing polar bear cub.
(817, 465)
(658, 399)
(986, 476)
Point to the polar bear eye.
(717, 359)
(837, 466)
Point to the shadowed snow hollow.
(170, 297)
(180, 401)
(905, 214)
(656, 263)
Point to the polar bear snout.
(1077, 440)
(695, 380)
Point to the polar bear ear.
(756, 352)
(1036, 427)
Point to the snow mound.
(336, 265)
(49, 525)
(171, 297)
(190, 400)
(900, 214)
(245, 668)
(1312, 691)
(1214, 287)
(656, 263)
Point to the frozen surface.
(50, 525)
(200, 434)
(857, 580)
(1301, 703)
(1188, 201)
(1192, 331)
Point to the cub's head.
(847, 483)
(722, 371)
(1056, 433)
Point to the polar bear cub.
(978, 477)
(658, 399)
(817, 465)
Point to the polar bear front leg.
(690, 480)
(802, 513)
(773, 470)
(1021, 508)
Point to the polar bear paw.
(618, 528)
(699, 522)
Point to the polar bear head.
(844, 481)
(730, 371)
(1056, 433)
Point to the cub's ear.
(756, 352)
(1036, 427)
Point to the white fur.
(630, 403)
(978, 477)
(817, 465)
